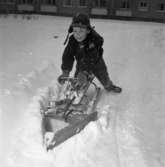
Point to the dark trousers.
(100, 72)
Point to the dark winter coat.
(87, 53)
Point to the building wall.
(142, 8)
(134, 9)
(73, 8)
(123, 8)
(100, 7)
(7, 6)
(149, 10)
(156, 12)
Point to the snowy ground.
(131, 128)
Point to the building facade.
(128, 9)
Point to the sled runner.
(71, 111)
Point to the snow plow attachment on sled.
(70, 112)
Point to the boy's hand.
(64, 74)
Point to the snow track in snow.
(107, 141)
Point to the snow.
(130, 131)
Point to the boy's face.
(80, 33)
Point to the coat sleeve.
(68, 56)
(98, 39)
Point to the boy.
(85, 46)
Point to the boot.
(113, 88)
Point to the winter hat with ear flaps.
(79, 20)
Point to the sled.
(70, 112)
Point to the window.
(161, 7)
(99, 3)
(7, 1)
(49, 2)
(125, 4)
(143, 6)
(83, 3)
(26, 1)
(67, 2)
